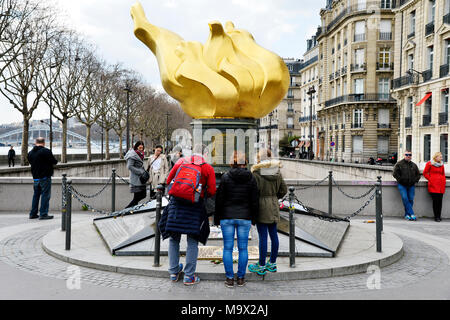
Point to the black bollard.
(63, 201)
(68, 213)
(381, 202)
(113, 191)
(157, 248)
(379, 213)
(291, 228)
(330, 193)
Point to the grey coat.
(136, 167)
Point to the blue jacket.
(181, 217)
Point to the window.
(409, 107)
(410, 61)
(357, 118)
(385, 29)
(383, 88)
(447, 50)
(357, 144)
(408, 143)
(383, 117)
(360, 31)
(430, 57)
(343, 143)
(384, 57)
(444, 146)
(345, 87)
(383, 145)
(290, 108)
(359, 57)
(290, 122)
(361, 4)
(444, 99)
(359, 86)
(385, 4)
(412, 20)
(432, 10)
(427, 147)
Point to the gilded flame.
(228, 77)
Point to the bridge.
(15, 137)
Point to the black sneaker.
(229, 283)
(34, 217)
(46, 217)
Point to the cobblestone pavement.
(420, 263)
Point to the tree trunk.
(107, 144)
(64, 140)
(88, 142)
(25, 135)
(120, 146)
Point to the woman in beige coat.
(158, 168)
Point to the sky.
(282, 26)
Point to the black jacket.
(406, 173)
(11, 154)
(42, 161)
(237, 196)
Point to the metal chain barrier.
(123, 179)
(94, 195)
(350, 196)
(311, 186)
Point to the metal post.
(381, 202)
(63, 201)
(379, 214)
(68, 214)
(291, 228)
(156, 254)
(113, 191)
(330, 193)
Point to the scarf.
(140, 154)
(437, 164)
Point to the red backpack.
(186, 183)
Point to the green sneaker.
(261, 270)
(272, 267)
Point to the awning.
(424, 99)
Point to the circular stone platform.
(356, 253)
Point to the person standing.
(42, 161)
(11, 156)
(187, 217)
(407, 175)
(135, 164)
(158, 168)
(434, 172)
(271, 187)
(237, 205)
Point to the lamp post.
(50, 131)
(270, 130)
(128, 90)
(310, 92)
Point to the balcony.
(426, 120)
(357, 125)
(307, 118)
(385, 36)
(408, 122)
(344, 71)
(443, 118)
(385, 66)
(360, 97)
(384, 126)
(290, 96)
(358, 67)
(429, 29)
(443, 71)
(427, 74)
(290, 126)
(405, 81)
(412, 35)
(359, 37)
(331, 77)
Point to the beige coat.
(158, 177)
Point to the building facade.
(357, 116)
(421, 76)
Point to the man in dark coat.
(11, 156)
(407, 175)
(188, 218)
(42, 161)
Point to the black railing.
(443, 117)
(344, 70)
(359, 97)
(357, 125)
(408, 122)
(429, 28)
(359, 37)
(443, 71)
(385, 66)
(427, 74)
(404, 81)
(412, 34)
(358, 67)
(384, 126)
(307, 118)
(426, 120)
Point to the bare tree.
(22, 85)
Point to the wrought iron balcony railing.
(408, 122)
(443, 118)
(359, 97)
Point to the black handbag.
(144, 177)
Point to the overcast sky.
(282, 26)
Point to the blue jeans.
(174, 255)
(242, 227)
(407, 194)
(263, 229)
(42, 190)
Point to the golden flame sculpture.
(228, 77)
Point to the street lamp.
(270, 130)
(310, 92)
(101, 133)
(128, 90)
